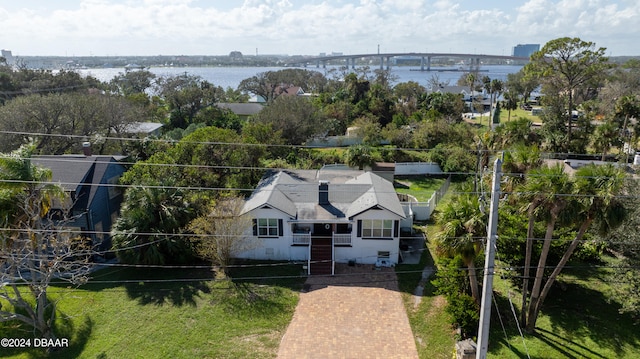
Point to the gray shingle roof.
(350, 193)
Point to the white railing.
(301, 238)
(339, 239)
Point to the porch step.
(320, 268)
(321, 256)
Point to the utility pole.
(490, 256)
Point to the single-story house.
(323, 217)
(93, 195)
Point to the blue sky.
(217, 27)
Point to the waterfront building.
(525, 50)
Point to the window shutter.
(359, 228)
(255, 226)
(280, 228)
(396, 228)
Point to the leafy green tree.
(270, 84)
(448, 105)
(62, 118)
(185, 96)
(368, 128)
(521, 85)
(171, 188)
(624, 240)
(295, 117)
(408, 94)
(450, 281)
(132, 82)
(566, 65)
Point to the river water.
(231, 76)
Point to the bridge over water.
(424, 57)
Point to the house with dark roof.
(323, 217)
(91, 185)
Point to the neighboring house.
(289, 91)
(144, 129)
(462, 90)
(280, 90)
(243, 110)
(324, 217)
(90, 182)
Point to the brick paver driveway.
(356, 314)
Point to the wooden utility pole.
(490, 255)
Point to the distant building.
(235, 55)
(525, 50)
(7, 56)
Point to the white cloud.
(309, 27)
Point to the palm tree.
(146, 230)
(360, 156)
(542, 188)
(597, 188)
(510, 102)
(606, 135)
(464, 227)
(21, 179)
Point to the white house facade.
(324, 217)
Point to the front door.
(322, 229)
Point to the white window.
(377, 228)
(268, 227)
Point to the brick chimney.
(323, 192)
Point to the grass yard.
(433, 334)
(578, 320)
(421, 187)
(172, 313)
(517, 113)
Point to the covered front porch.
(322, 238)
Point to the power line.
(543, 155)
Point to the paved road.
(356, 314)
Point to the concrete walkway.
(358, 313)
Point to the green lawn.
(578, 320)
(182, 315)
(504, 115)
(431, 329)
(421, 187)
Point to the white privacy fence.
(421, 211)
(416, 168)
